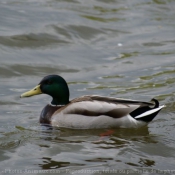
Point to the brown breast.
(47, 112)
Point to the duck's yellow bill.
(35, 91)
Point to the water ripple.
(31, 40)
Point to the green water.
(112, 48)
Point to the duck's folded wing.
(99, 105)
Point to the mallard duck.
(90, 111)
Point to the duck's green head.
(53, 85)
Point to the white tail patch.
(149, 112)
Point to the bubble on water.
(120, 44)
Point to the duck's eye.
(48, 82)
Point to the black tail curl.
(156, 103)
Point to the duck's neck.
(59, 102)
(62, 98)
